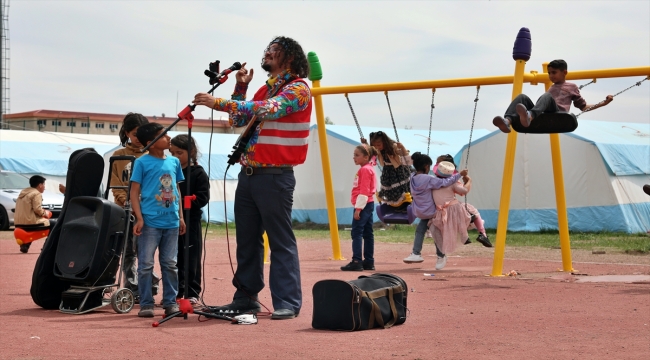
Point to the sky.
(149, 56)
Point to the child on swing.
(424, 208)
(558, 98)
(394, 161)
(450, 222)
(473, 212)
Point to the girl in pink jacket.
(363, 189)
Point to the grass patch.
(638, 244)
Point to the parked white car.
(11, 184)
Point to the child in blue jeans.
(158, 217)
(364, 187)
(423, 205)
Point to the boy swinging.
(558, 98)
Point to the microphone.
(222, 76)
(236, 66)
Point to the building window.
(56, 122)
(99, 125)
(41, 122)
(113, 127)
(83, 124)
(71, 124)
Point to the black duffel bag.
(378, 300)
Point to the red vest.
(283, 141)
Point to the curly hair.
(290, 48)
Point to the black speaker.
(91, 242)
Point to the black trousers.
(545, 104)
(263, 202)
(194, 263)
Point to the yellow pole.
(266, 248)
(533, 78)
(315, 75)
(560, 196)
(506, 183)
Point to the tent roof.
(624, 147)
(46, 152)
(442, 142)
(57, 137)
(218, 149)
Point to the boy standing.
(158, 216)
(558, 98)
(29, 209)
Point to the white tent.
(46, 153)
(309, 197)
(213, 157)
(605, 165)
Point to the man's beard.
(266, 67)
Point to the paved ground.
(460, 313)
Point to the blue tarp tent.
(605, 166)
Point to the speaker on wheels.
(91, 242)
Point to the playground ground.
(601, 312)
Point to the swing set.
(551, 124)
(401, 212)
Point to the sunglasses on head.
(379, 133)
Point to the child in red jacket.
(363, 189)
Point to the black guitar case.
(84, 178)
(548, 123)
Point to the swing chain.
(391, 116)
(587, 84)
(638, 83)
(471, 131)
(433, 106)
(354, 116)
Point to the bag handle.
(375, 313)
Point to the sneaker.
(24, 248)
(524, 115)
(368, 265)
(413, 258)
(146, 312)
(352, 266)
(502, 124)
(467, 242)
(240, 305)
(441, 262)
(483, 239)
(171, 310)
(646, 189)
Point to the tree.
(328, 121)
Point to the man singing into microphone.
(264, 194)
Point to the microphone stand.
(184, 305)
